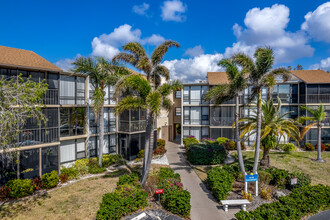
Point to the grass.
(296, 161)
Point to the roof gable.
(312, 76)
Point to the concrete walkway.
(203, 205)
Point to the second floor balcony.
(132, 126)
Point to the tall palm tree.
(260, 71)
(221, 93)
(140, 95)
(102, 73)
(274, 125)
(317, 116)
(136, 55)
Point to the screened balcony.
(132, 121)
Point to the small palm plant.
(317, 116)
(274, 125)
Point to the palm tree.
(136, 55)
(140, 95)
(317, 116)
(260, 71)
(102, 73)
(221, 93)
(274, 125)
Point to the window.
(178, 111)
(92, 147)
(178, 94)
(195, 95)
(80, 149)
(205, 115)
(195, 115)
(68, 151)
(80, 99)
(67, 90)
(186, 95)
(29, 163)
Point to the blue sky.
(298, 31)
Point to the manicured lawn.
(297, 161)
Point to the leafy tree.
(260, 75)
(19, 100)
(136, 55)
(102, 73)
(317, 116)
(221, 93)
(274, 125)
(299, 67)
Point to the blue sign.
(251, 178)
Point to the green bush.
(20, 188)
(132, 179)
(220, 182)
(112, 159)
(177, 202)
(50, 180)
(140, 155)
(327, 147)
(279, 177)
(289, 147)
(222, 140)
(309, 147)
(81, 166)
(301, 202)
(264, 177)
(160, 142)
(94, 167)
(302, 180)
(206, 154)
(125, 200)
(229, 145)
(165, 173)
(170, 184)
(71, 172)
(190, 141)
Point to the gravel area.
(153, 214)
(155, 160)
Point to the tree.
(136, 55)
(274, 125)
(140, 95)
(317, 116)
(102, 73)
(260, 74)
(20, 100)
(221, 93)
(299, 67)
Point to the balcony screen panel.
(205, 115)
(312, 89)
(186, 95)
(80, 119)
(112, 146)
(52, 81)
(112, 117)
(80, 90)
(52, 116)
(325, 89)
(215, 133)
(29, 163)
(92, 147)
(106, 144)
(186, 115)
(227, 132)
(106, 120)
(195, 95)
(185, 131)
(67, 90)
(49, 159)
(68, 150)
(205, 132)
(195, 115)
(204, 90)
(80, 145)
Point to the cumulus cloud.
(195, 51)
(317, 23)
(173, 11)
(324, 64)
(267, 27)
(65, 64)
(141, 9)
(193, 69)
(154, 39)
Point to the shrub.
(279, 177)
(246, 195)
(71, 172)
(161, 142)
(177, 202)
(301, 202)
(289, 147)
(322, 147)
(165, 173)
(222, 140)
(94, 167)
(302, 180)
(111, 159)
(190, 141)
(4, 192)
(170, 184)
(36, 181)
(209, 141)
(229, 145)
(264, 177)
(266, 193)
(309, 147)
(20, 188)
(206, 154)
(81, 166)
(140, 155)
(64, 178)
(232, 169)
(327, 147)
(49, 180)
(132, 179)
(160, 150)
(220, 182)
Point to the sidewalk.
(203, 205)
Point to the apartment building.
(71, 132)
(207, 120)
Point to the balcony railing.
(195, 122)
(222, 121)
(51, 97)
(325, 98)
(132, 126)
(37, 136)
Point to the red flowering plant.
(322, 147)
(170, 184)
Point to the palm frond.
(154, 101)
(136, 49)
(125, 57)
(158, 54)
(162, 71)
(130, 102)
(166, 104)
(219, 94)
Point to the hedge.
(220, 182)
(206, 154)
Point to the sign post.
(251, 178)
(159, 191)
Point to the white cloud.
(65, 64)
(154, 39)
(173, 11)
(317, 23)
(324, 64)
(195, 51)
(193, 69)
(141, 9)
(266, 27)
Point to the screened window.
(72, 121)
(195, 95)
(68, 151)
(80, 90)
(67, 89)
(49, 159)
(195, 115)
(186, 95)
(178, 111)
(92, 147)
(29, 163)
(81, 148)
(205, 115)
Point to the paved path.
(204, 206)
(321, 216)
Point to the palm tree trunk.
(238, 139)
(319, 132)
(148, 148)
(101, 120)
(265, 162)
(258, 136)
